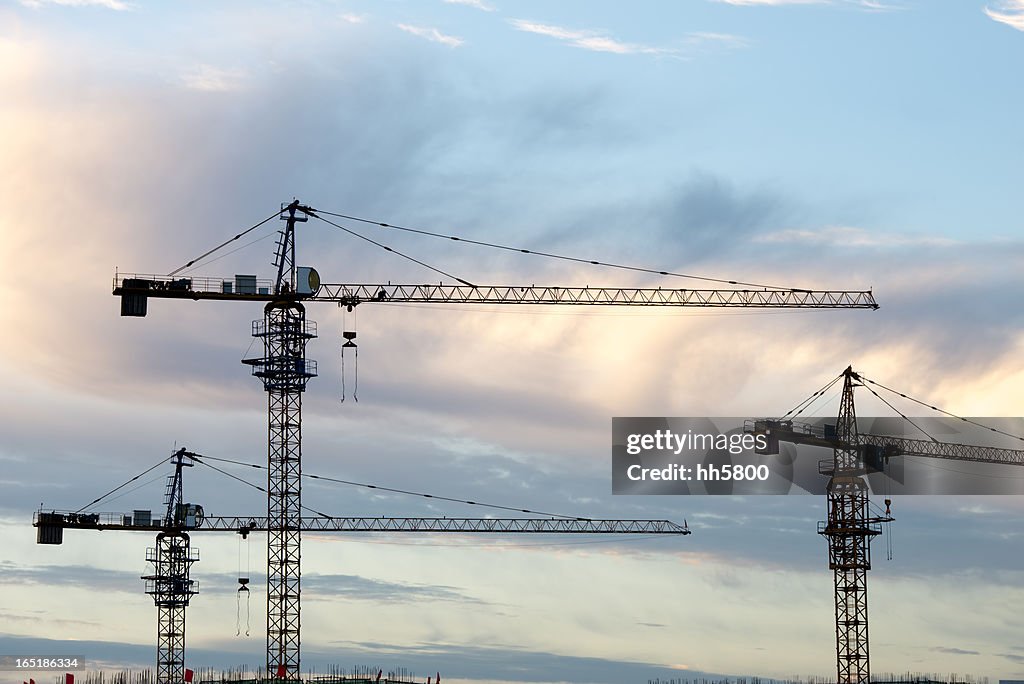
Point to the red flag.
(189, 675)
(31, 681)
(379, 673)
(280, 672)
(69, 678)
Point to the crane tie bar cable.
(123, 485)
(561, 257)
(225, 243)
(389, 249)
(902, 415)
(251, 484)
(396, 491)
(806, 403)
(936, 408)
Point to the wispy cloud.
(848, 236)
(709, 38)
(589, 40)
(876, 6)
(212, 79)
(953, 651)
(431, 34)
(109, 4)
(325, 586)
(351, 18)
(866, 5)
(478, 4)
(1009, 12)
(753, 3)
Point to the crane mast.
(284, 371)
(170, 583)
(850, 529)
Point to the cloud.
(953, 651)
(353, 18)
(109, 4)
(366, 589)
(699, 38)
(82, 576)
(1009, 12)
(849, 236)
(875, 6)
(477, 4)
(773, 3)
(589, 40)
(866, 5)
(432, 34)
(486, 662)
(705, 214)
(210, 79)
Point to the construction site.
(221, 491)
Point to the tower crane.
(849, 526)
(172, 587)
(284, 369)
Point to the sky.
(841, 144)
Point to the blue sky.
(841, 144)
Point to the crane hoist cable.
(349, 336)
(243, 587)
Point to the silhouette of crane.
(850, 527)
(172, 588)
(285, 370)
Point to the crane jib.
(135, 290)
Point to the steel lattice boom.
(903, 446)
(807, 433)
(138, 286)
(121, 521)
